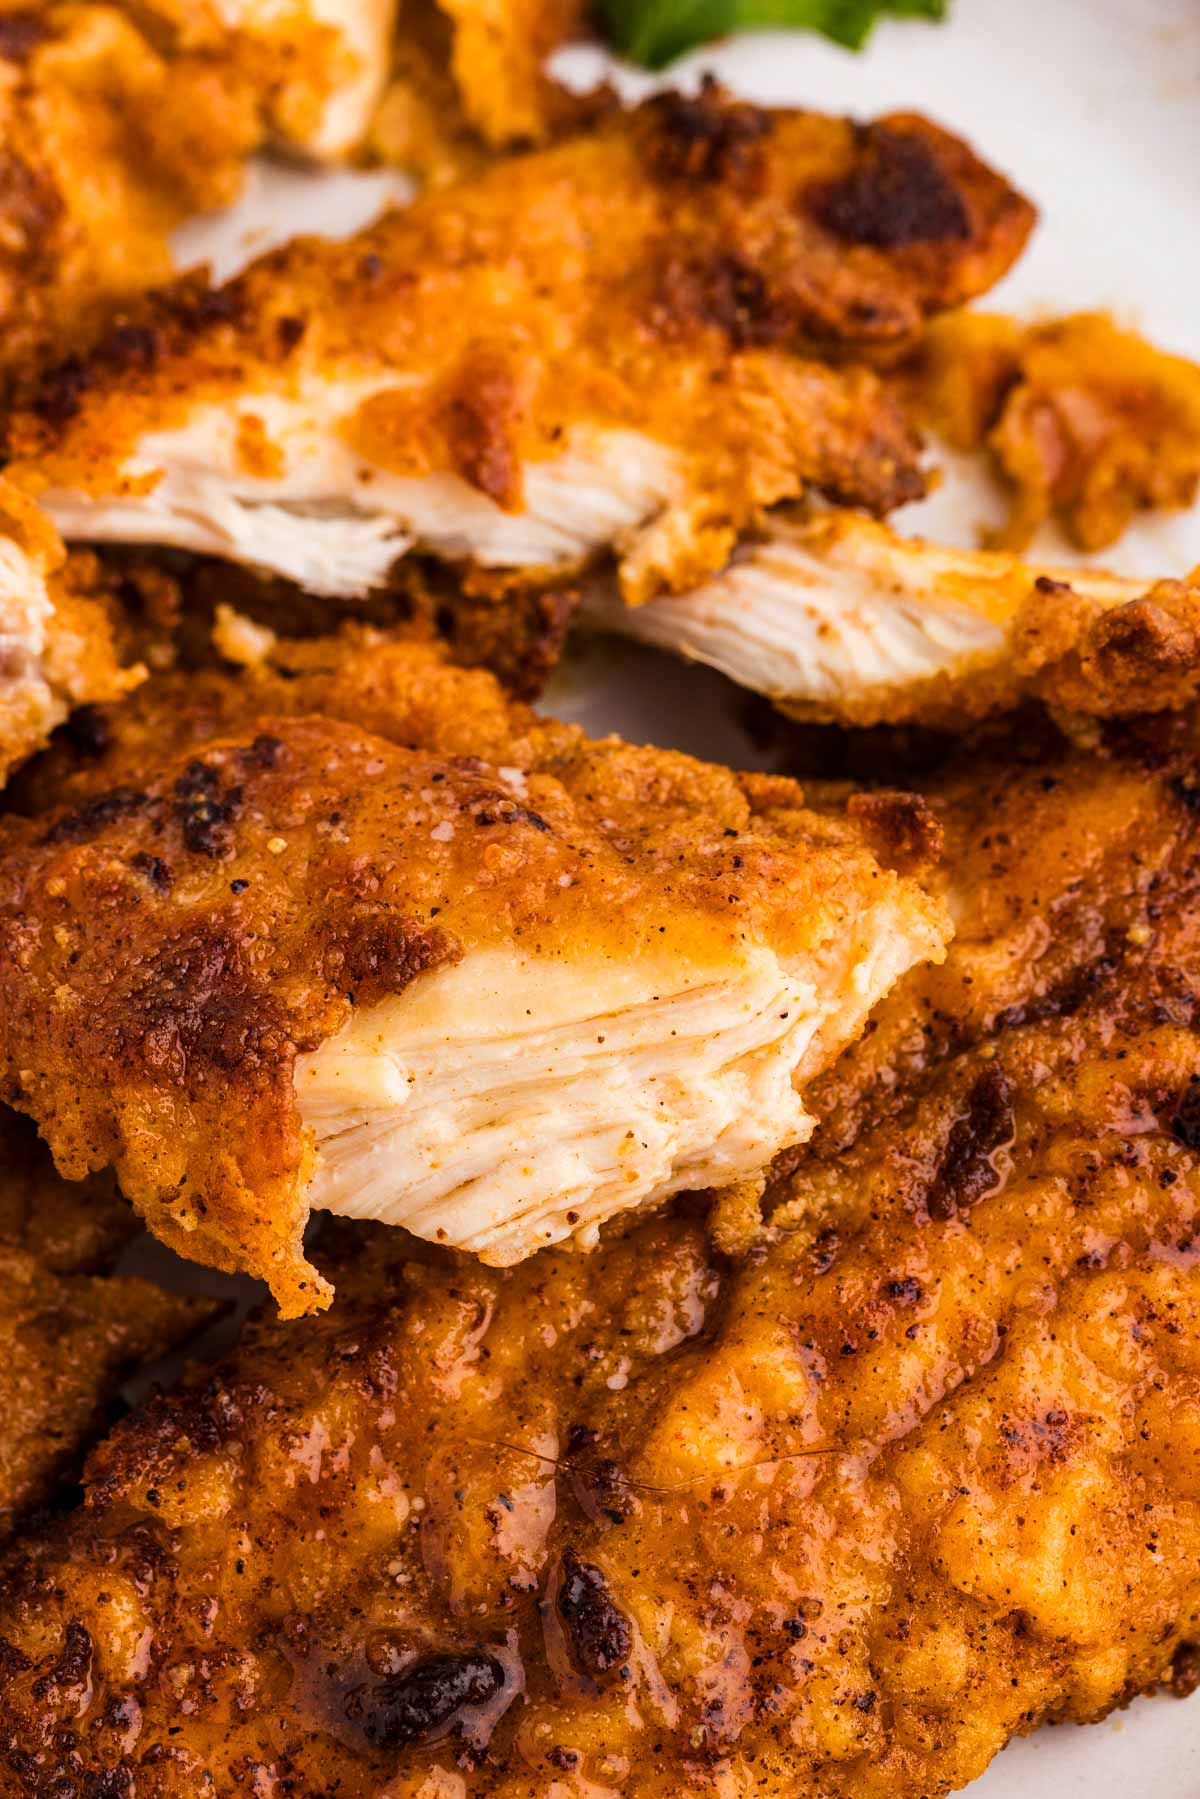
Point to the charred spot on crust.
(897, 194)
(289, 331)
(425, 1700)
(728, 293)
(195, 1008)
(90, 819)
(60, 392)
(499, 809)
(707, 137)
(265, 752)
(1185, 1120)
(207, 812)
(967, 1171)
(156, 871)
(21, 31)
(905, 832)
(905, 1290)
(1185, 1670)
(597, 1630)
(72, 1669)
(371, 952)
(1064, 998)
(131, 346)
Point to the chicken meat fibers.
(494, 982)
(835, 1519)
(610, 345)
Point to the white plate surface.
(1093, 107)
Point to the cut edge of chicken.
(512, 1102)
(319, 514)
(845, 619)
(29, 707)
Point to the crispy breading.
(1086, 422)
(838, 618)
(118, 121)
(69, 1332)
(469, 76)
(202, 964)
(408, 692)
(601, 347)
(834, 1521)
(58, 631)
(1055, 862)
(107, 145)
(310, 73)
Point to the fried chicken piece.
(313, 72)
(107, 145)
(68, 1227)
(592, 348)
(1056, 858)
(837, 1520)
(839, 619)
(121, 120)
(68, 1337)
(447, 965)
(408, 692)
(58, 636)
(1086, 422)
(468, 77)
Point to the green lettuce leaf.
(655, 32)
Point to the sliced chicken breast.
(494, 998)
(602, 347)
(841, 619)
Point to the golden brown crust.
(1087, 423)
(59, 631)
(407, 691)
(1054, 862)
(119, 121)
(107, 145)
(469, 77)
(1142, 656)
(834, 1521)
(250, 878)
(69, 1332)
(66, 1344)
(657, 274)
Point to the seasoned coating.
(107, 145)
(311, 73)
(118, 121)
(58, 631)
(839, 619)
(408, 692)
(1056, 860)
(69, 1333)
(1086, 422)
(591, 348)
(834, 1522)
(468, 78)
(624, 964)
